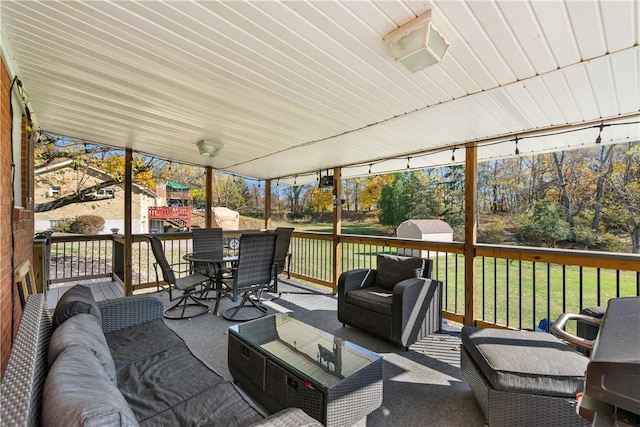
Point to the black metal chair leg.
(234, 310)
(183, 303)
(204, 293)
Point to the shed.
(433, 230)
(225, 218)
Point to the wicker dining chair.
(207, 240)
(283, 256)
(253, 273)
(210, 241)
(187, 306)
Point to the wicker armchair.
(397, 301)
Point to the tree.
(453, 196)
(370, 196)
(353, 189)
(423, 192)
(51, 150)
(320, 199)
(545, 224)
(625, 186)
(142, 170)
(394, 203)
(228, 191)
(603, 169)
(294, 194)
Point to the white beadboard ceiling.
(293, 87)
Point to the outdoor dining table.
(211, 258)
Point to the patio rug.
(422, 386)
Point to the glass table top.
(319, 355)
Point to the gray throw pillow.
(76, 300)
(77, 392)
(82, 330)
(392, 269)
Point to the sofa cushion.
(82, 330)
(526, 361)
(164, 381)
(138, 342)
(77, 392)
(78, 299)
(392, 269)
(220, 405)
(375, 299)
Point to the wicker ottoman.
(523, 378)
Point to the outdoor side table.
(282, 362)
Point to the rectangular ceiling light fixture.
(417, 44)
(209, 148)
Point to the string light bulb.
(370, 164)
(453, 154)
(408, 162)
(517, 149)
(599, 138)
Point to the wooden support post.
(267, 204)
(128, 238)
(337, 227)
(208, 196)
(471, 179)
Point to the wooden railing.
(515, 286)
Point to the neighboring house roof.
(70, 164)
(176, 186)
(427, 226)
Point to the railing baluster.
(75, 259)
(598, 287)
(564, 288)
(508, 301)
(484, 298)
(456, 282)
(533, 294)
(580, 289)
(548, 316)
(495, 291)
(519, 294)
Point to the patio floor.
(422, 386)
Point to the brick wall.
(20, 248)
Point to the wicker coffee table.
(282, 362)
